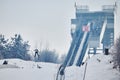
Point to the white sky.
(38, 21)
(41, 22)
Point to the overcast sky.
(41, 22)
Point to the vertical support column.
(94, 50)
(103, 48)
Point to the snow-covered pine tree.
(3, 45)
(18, 48)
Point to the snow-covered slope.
(98, 68)
(28, 70)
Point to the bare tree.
(116, 54)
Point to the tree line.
(16, 47)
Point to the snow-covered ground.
(98, 68)
(28, 70)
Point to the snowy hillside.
(98, 68)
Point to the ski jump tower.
(92, 29)
(101, 29)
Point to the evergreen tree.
(3, 44)
(18, 48)
(15, 48)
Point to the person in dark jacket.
(36, 52)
